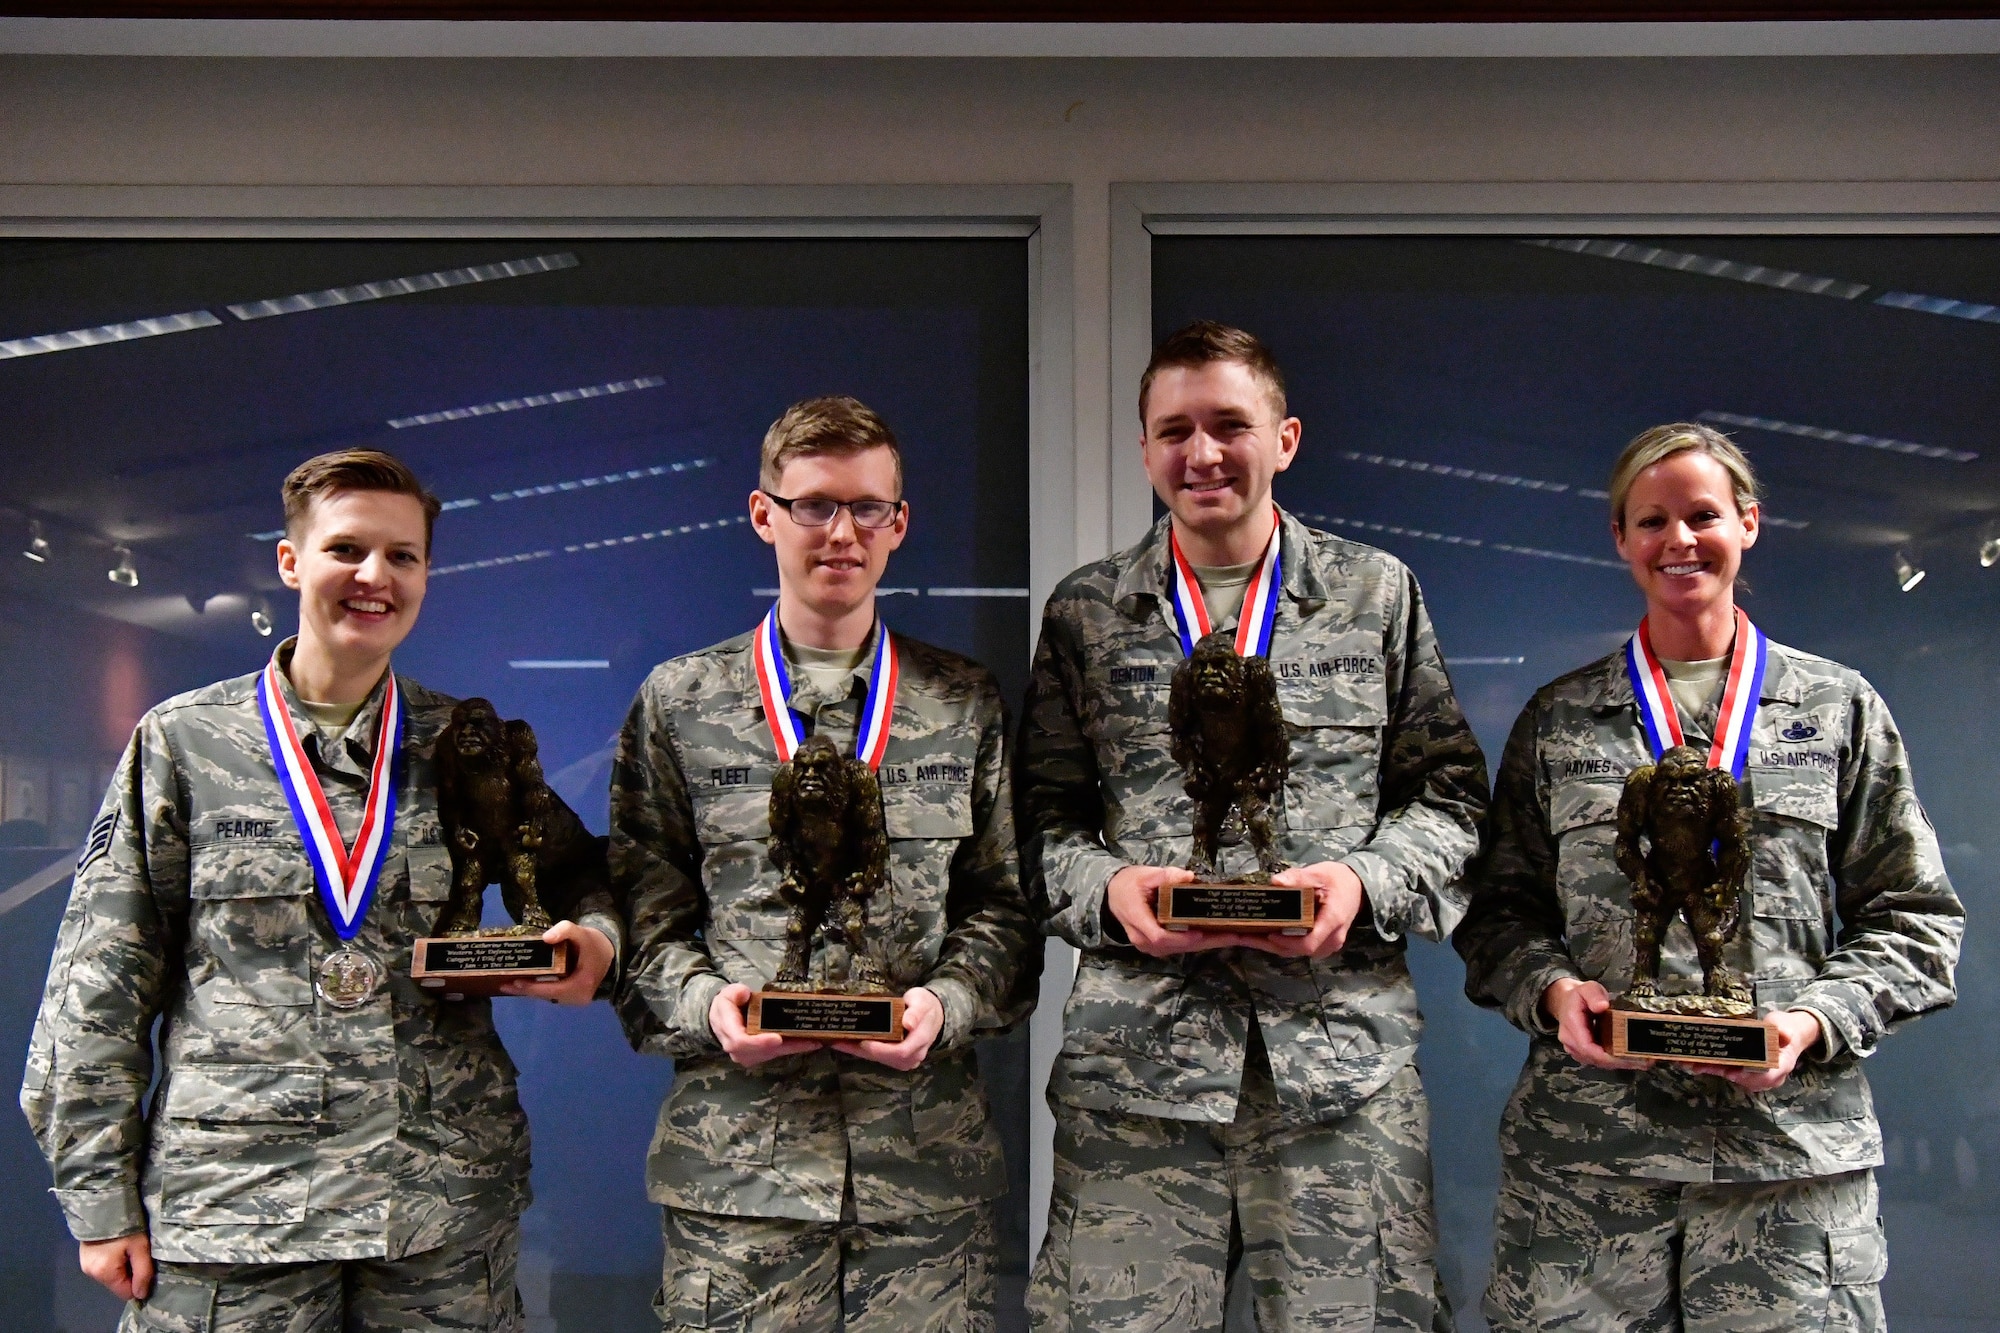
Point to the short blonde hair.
(1679, 437)
(835, 424)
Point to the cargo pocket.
(178, 1304)
(683, 1303)
(1334, 1285)
(1857, 1259)
(237, 1142)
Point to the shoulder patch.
(99, 841)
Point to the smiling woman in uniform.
(1639, 1195)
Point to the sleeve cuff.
(1829, 1035)
(691, 1018)
(102, 1214)
(1385, 900)
(1525, 1009)
(607, 926)
(1824, 1000)
(1087, 909)
(960, 1005)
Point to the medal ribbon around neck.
(788, 729)
(1260, 600)
(346, 876)
(1745, 684)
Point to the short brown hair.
(1679, 437)
(353, 470)
(835, 424)
(1205, 341)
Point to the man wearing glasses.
(808, 1185)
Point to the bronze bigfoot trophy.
(1685, 846)
(501, 823)
(829, 844)
(1229, 739)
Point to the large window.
(1463, 399)
(591, 412)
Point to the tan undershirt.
(1695, 685)
(332, 720)
(828, 669)
(1222, 589)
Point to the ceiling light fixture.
(37, 549)
(1989, 546)
(260, 618)
(124, 573)
(1908, 573)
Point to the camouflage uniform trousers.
(1593, 1254)
(1331, 1224)
(465, 1288)
(926, 1274)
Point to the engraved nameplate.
(1237, 908)
(1689, 1038)
(823, 1017)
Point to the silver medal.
(347, 978)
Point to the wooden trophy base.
(821, 1016)
(479, 965)
(1640, 1034)
(1238, 909)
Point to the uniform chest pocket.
(250, 922)
(1793, 812)
(1596, 897)
(742, 813)
(1335, 734)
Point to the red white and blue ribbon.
(346, 876)
(1738, 714)
(1260, 600)
(788, 729)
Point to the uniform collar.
(358, 753)
(802, 690)
(1145, 574)
(1783, 683)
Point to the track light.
(1908, 574)
(260, 618)
(124, 573)
(38, 545)
(1989, 546)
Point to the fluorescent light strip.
(604, 542)
(1452, 539)
(560, 664)
(1839, 436)
(879, 592)
(532, 400)
(493, 562)
(975, 592)
(1941, 305)
(1507, 479)
(582, 483)
(525, 492)
(422, 282)
(1462, 473)
(1708, 266)
(106, 333)
(1484, 661)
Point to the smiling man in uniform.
(1236, 1109)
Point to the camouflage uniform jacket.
(1836, 827)
(1385, 776)
(690, 803)
(282, 1130)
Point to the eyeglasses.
(816, 512)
